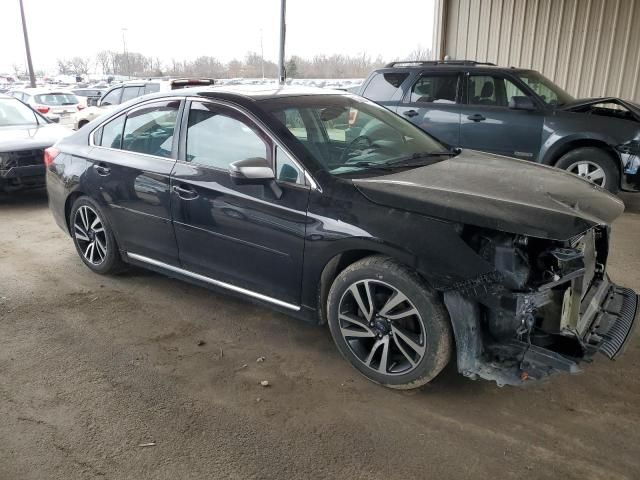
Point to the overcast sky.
(225, 29)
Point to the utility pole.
(124, 50)
(261, 54)
(32, 76)
(281, 70)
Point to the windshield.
(351, 136)
(548, 91)
(56, 99)
(14, 112)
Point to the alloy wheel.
(89, 232)
(589, 171)
(382, 327)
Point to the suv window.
(131, 92)
(491, 91)
(149, 129)
(217, 137)
(151, 88)
(384, 85)
(112, 98)
(435, 89)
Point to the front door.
(488, 124)
(247, 236)
(433, 105)
(133, 159)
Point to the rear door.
(488, 124)
(133, 159)
(433, 104)
(245, 236)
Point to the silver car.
(56, 105)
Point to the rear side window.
(150, 129)
(384, 85)
(151, 88)
(56, 99)
(111, 134)
(435, 89)
(131, 92)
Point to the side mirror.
(521, 103)
(254, 171)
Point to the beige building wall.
(589, 47)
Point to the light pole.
(32, 77)
(124, 51)
(281, 70)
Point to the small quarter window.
(286, 168)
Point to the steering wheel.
(352, 144)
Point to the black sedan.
(24, 134)
(403, 247)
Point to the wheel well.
(331, 270)
(566, 148)
(67, 207)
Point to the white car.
(128, 91)
(57, 105)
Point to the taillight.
(50, 155)
(80, 107)
(42, 109)
(353, 116)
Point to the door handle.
(185, 193)
(410, 113)
(102, 169)
(476, 117)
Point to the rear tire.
(388, 323)
(592, 164)
(93, 237)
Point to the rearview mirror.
(254, 171)
(521, 103)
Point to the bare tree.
(420, 53)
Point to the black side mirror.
(254, 171)
(521, 103)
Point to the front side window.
(217, 137)
(491, 91)
(548, 91)
(150, 129)
(377, 142)
(435, 89)
(112, 98)
(383, 86)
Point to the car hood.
(27, 137)
(634, 108)
(499, 193)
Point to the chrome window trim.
(212, 281)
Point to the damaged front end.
(547, 306)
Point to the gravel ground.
(93, 367)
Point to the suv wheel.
(592, 164)
(388, 323)
(93, 237)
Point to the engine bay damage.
(547, 306)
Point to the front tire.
(388, 323)
(592, 164)
(93, 237)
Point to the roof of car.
(43, 90)
(250, 92)
(444, 65)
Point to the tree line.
(135, 64)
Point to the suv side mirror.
(521, 103)
(254, 171)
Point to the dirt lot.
(91, 367)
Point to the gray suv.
(514, 112)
